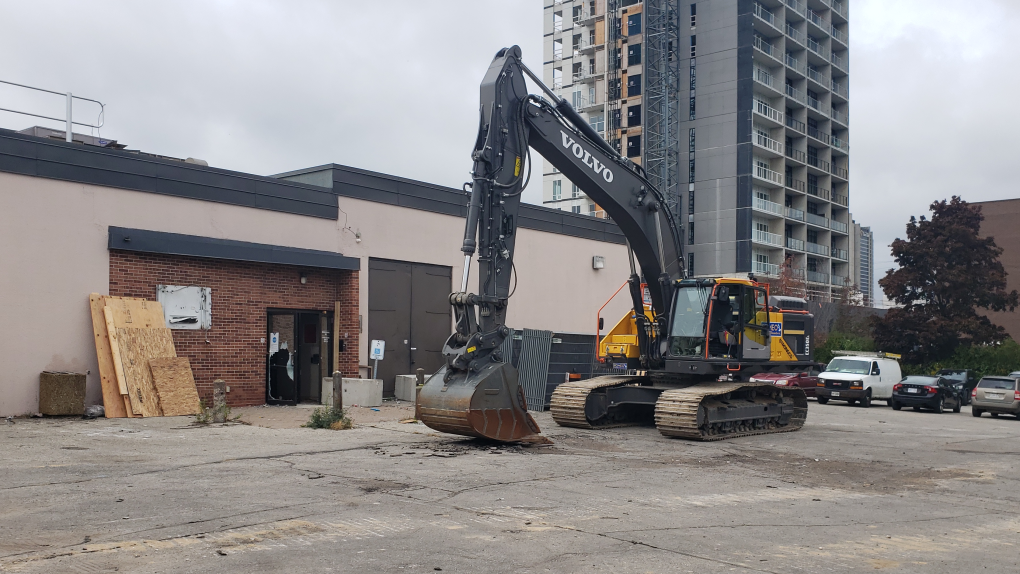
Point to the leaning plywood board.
(118, 363)
(131, 313)
(113, 401)
(137, 346)
(175, 385)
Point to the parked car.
(964, 380)
(861, 377)
(1014, 374)
(995, 395)
(808, 381)
(929, 392)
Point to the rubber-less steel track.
(676, 411)
(568, 400)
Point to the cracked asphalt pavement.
(855, 490)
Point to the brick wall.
(233, 349)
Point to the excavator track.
(686, 413)
(569, 399)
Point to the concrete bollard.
(338, 390)
(417, 392)
(219, 400)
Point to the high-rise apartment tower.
(738, 110)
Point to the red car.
(807, 381)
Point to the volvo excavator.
(698, 341)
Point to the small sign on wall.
(186, 307)
(274, 343)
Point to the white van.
(857, 376)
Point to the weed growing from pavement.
(334, 418)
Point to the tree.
(790, 282)
(946, 273)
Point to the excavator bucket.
(488, 404)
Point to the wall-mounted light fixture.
(304, 278)
(598, 262)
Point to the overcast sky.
(266, 87)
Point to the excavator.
(698, 341)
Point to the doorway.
(298, 355)
(409, 308)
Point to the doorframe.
(329, 313)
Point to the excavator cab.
(721, 319)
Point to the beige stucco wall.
(54, 238)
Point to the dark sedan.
(935, 393)
(807, 381)
(962, 380)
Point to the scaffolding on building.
(662, 96)
(613, 85)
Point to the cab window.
(874, 368)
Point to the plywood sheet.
(118, 363)
(137, 346)
(113, 401)
(129, 313)
(175, 385)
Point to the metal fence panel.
(534, 366)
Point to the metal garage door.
(409, 308)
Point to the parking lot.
(855, 490)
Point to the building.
(737, 109)
(326, 258)
(862, 263)
(1000, 224)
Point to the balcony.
(817, 76)
(795, 35)
(585, 46)
(838, 36)
(766, 269)
(796, 125)
(558, 53)
(840, 117)
(840, 172)
(839, 8)
(793, 213)
(765, 110)
(766, 48)
(816, 277)
(818, 135)
(815, 104)
(840, 89)
(795, 244)
(839, 253)
(838, 226)
(796, 155)
(794, 93)
(795, 64)
(817, 20)
(768, 175)
(840, 144)
(816, 248)
(585, 75)
(796, 184)
(768, 143)
(818, 220)
(840, 281)
(821, 164)
(764, 77)
(840, 200)
(766, 238)
(820, 193)
(795, 5)
(766, 206)
(585, 104)
(839, 62)
(817, 49)
(762, 13)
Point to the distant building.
(1000, 224)
(862, 263)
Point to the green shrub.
(842, 342)
(334, 418)
(984, 360)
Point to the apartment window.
(634, 146)
(633, 24)
(591, 65)
(812, 236)
(690, 170)
(577, 42)
(761, 226)
(577, 13)
(614, 118)
(634, 55)
(557, 21)
(633, 85)
(812, 264)
(690, 165)
(575, 209)
(574, 190)
(557, 49)
(634, 116)
(692, 107)
(598, 122)
(557, 190)
(694, 15)
(557, 78)
(591, 209)
(812, 154)
(690, 140)
(812, 207)
(577, 99)
(761, 257)
(693, 76)
(762, 194)
(694, 45)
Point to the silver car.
(996, 395)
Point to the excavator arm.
(476, 393)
